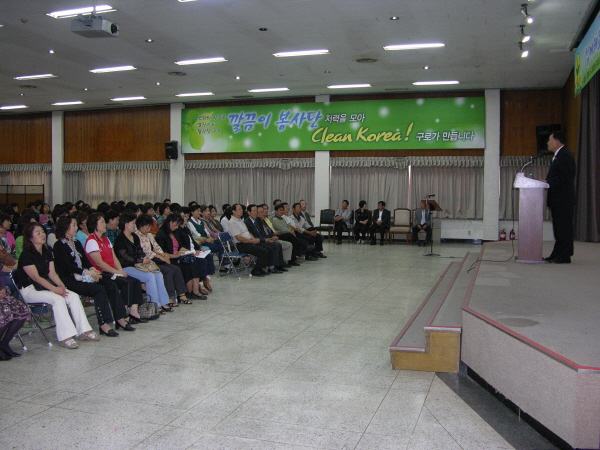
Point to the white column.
(177, 167)
(58, 158)
(322, 182)
(491, 170)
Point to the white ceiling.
(481, 51)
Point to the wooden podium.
(531, 219)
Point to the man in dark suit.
(561, 198)
(381, 222)
(276, 262)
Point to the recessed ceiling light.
(194, 94)
(426, 67)
(80, 11)
(149, 40)
(85, 89)
(237, 77)
(52, 52)
(413, 46)
(113, 69)
(269, 89)
(126, 99)
(348, 86)
(157, 83)
(67, 103)
(394, 18)
(200, 61)
(13, 107)
(301, 53)
(433, 83)
(185, 1)
(35, 77)
(263, 29)
(327, 71)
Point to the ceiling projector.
(94, 27)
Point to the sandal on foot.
(91, 336)
(69, 343)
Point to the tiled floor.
(290, 361)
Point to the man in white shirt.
(302, 229)
(246, 243)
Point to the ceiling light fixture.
(185, 1)
(269, 89)
(426, 67)
(348, 86)
(237, 77)
(194, 94)
(187, 62)
(14, 107)
(526, 16)
(149, 41)
(414, 46)
(434, 83)
(394, 18)
(67, 103)
(35, 77)
(113, 69)
(52, 52)
(126, 99)
(301, 53)
(81, 11)
(524, 53)
(524, 37)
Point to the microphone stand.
(431, 225)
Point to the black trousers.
(415, 234)
(361, 229)
(317, 241)
(562, 225)
(263, 255)
(277, 253)
(298, 247)
(381, 229)
(339, 227)
(174, 282)
(106, 297)
(130, 289)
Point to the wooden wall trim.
(26, 138)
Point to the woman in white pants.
(40, 283)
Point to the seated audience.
(342, 221)
(39, 283)
(381, 222)
(422, 221)
(164, 209)
(172, 276)
(100, 252)
(148, 209)
(213, 218)
(362, 222)
(13, 315)
(82, 232)
(129, 251)
(246, 243)
(269, 234)
(112, 225)
(285, 232)
(205, 218)
(305, 231)
(200, 234)
(80, 276)
(45, 215)
(175, 244)
(276, 264)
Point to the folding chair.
(231, 255)
(37, 306)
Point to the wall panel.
(26, 139)
(124, 134)
(521, 112)
(572, 114)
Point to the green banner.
(432, 123)
(587, 56)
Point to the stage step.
(430, 341)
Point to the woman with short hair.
(79, 275)
(39, 283)
(100, 252)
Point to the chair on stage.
(402, 224)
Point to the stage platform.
(532, 332)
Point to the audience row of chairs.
(401, 224)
